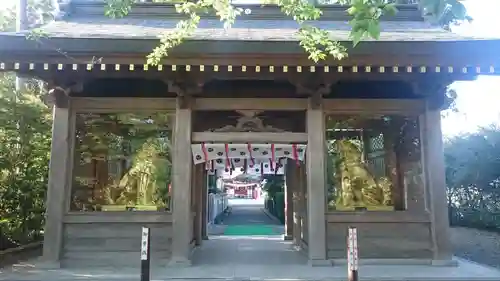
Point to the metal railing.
(217, 204)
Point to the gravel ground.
(477, 245)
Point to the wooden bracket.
(58, 95)
(185, 88)
(316, 100)
(315, 92)
(185, 92)
(311, 89)
(184, 102)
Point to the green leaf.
(458, 9)
(390, 9)
(374, 29)
(365, 21)
(356, 37)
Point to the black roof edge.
(167, 10)
(473, 51)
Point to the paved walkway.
(248, 213)
(466, 271)
(260, 258)
(263, 250)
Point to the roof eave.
(471, 52)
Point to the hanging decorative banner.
(273, 156)
(255, 152)
(250, 158)
(249, 148)
(238, 164)
(205, 155)
(226, 150)
(295, 154)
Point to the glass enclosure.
(372, 161)
(122, 162)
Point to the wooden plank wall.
(102, 244)
(389, 240)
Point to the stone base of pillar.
(205, 237)
(318, 263)
(444, 263)
(399, 262)
(179, 262)
(288, 237)
(41, 264)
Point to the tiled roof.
(245, 30)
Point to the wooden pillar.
(297, 193)
(204, 205)
(181, 184)
(432, 144)
(58, 185)
(198, 193)
(303, 204)
(290, 187)
(316, 182)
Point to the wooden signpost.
(145, 254)
(352, 254)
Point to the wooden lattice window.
(375, 155)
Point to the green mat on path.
(250, 230)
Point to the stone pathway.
(245, 212)
(221, 250)
(235, 271)
(260, 258)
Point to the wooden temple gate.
(106, 108)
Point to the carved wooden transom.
(249, 122)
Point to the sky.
(478, 100)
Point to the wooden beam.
(378, 217)
(252, 137)
(374, 106)
(292, 104)
(117, 217)
(122, 104)
(68, 74)
(259, 59)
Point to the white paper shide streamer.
(352, 254)
(256, 158)
(144, 243)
